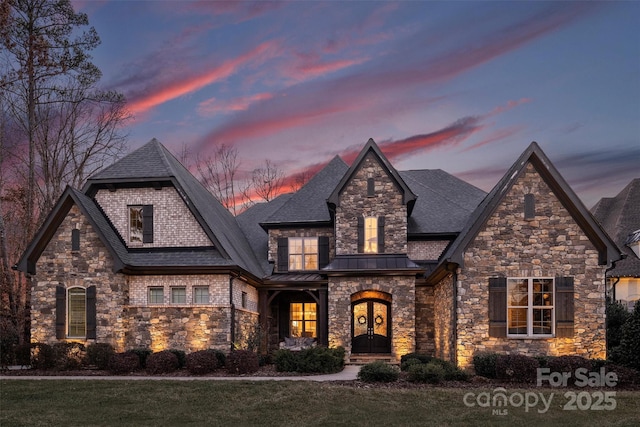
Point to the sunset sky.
(458, 86)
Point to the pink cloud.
(215, 106)
(496, 136)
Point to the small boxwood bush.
(99, 355)
(485, 364)
(23, 354)
(516, 368)
(222, 358)
(68, 355)
(142, 354)
(124, 363)
(569, 364)
(626, 376)
(242, 362)
(42, 356)
(201, 362)
(319, 360)
(432, 373)
(162, 362)
(378, 371)
(181, 355)
(410, 359)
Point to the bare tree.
(267, 180)
(300, 179)
(218, 173)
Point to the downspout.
(232, 308)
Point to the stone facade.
(444, 319)
(173, 223)
(90, 266)
(550, 244)
(425, 327)
(387, 202)
(403, 296)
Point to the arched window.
(77, 313)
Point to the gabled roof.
(534, 155)
(91, 211)
(371, 147)
(620, 217)
(309, 203)
(154, 163)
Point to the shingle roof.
(620, 217)
(444, 202)
(153, 162)
(309, 204)
(364, 262)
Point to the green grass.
(273, 403)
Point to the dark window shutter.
(529, 206)
(371, 187)
(283, 254)
(380, 234)
(498, 307)
(564, 307)
(323, 251)
(91, 312)
(75, 239)
(61, 312)
(147, 224)
(360, 234)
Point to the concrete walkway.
(349, 373)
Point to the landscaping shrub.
(432, 373)
(22, 354)
(378, 371)
(162, 362)
(201, 362)
(68, 355)
(569, 364)
(451, 371)
(42, 356)
(124, 363)
(626, 376)
(142, 354)
(617, 316)
(222, 358)
(181, 355)
(310, 360)
(99, 354)
(485, 364)
(8, 342)
(517, 368)
(628, 352)
(423, 358)
(242, 362)
(407, 363)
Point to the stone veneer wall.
(403, 293)
(425, 332)
(90, 266)
(173, 223)
(549, 245)
(387, 202)
(424, 250)
(275, 234)
(443, 313)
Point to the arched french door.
(371, 326)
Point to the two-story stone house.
(363, 256)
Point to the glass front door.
(371, 327)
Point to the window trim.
(172, 296)
(84, 324)
(193, 296)
(130, 209)
(303, 254)
(530, 307)
(154, 288)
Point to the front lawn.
(275, 403)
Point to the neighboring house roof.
(408, 197)
(534, 155)
(620, 217)
(154, 163)
(309, 204)
(444, 202)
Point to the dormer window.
(371, 235)
(303, 253)
(141, 224)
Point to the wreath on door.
(379, 320)
(362, 320)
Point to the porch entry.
(371, 322)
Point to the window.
(244, 300)
(201, 295)
(141, 224)
(178, 295)
(303, 253)
(371, 187)
(156, 295)
(530, 303)
(529, 206)
(303, 319)
(371, 235)
(76, 313)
